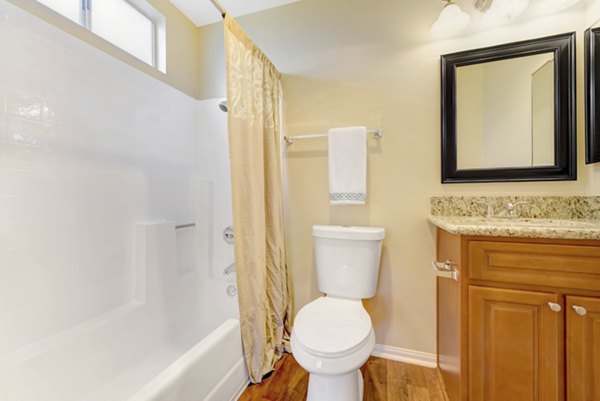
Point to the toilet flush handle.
(445, 269)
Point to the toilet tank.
(347, 260)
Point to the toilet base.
(346, 387)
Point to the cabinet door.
(583, 349)
(515, 346)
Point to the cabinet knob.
(554, 307)
(580, 310)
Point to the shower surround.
(99, 293)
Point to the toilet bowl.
(332, 339)
(333, 336)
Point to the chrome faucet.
(489, 212)
(510, 211)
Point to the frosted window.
(69, 8)
(126, 27)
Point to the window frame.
(157, 20)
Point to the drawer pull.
(554, 307)
(445, 269)
(580, 310)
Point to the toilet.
(333, 336)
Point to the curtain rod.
(219, 7)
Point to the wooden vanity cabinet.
(522, 323)
(583, 349)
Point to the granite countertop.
(542, 217)
(525, 228)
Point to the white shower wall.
(215, 168)
(90, 147)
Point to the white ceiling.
(202, 12)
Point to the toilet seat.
(332, 327)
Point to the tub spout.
(229, 269)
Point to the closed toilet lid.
(332, 326)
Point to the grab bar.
(187, 225)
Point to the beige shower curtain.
(253, 98)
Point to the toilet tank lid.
(349, 232)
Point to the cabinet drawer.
(567, 266)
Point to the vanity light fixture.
(451, 21)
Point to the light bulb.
(504, 10)
(451, 21)
(552, 6)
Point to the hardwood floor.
(385, 380)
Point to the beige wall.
(507, 138)
(355, 62)
(183, 44)
(470, 114)
(542, 115)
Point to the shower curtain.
(253, 99)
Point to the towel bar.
(376, 132)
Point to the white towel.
(348, 166)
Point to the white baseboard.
(405, 355)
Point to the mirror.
(592, 95)
(508, 112)
(505, 113)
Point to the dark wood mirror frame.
(592, 95)
(565, 142)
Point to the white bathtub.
(214, 370)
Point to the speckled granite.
(525, 228)
(537, 207)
